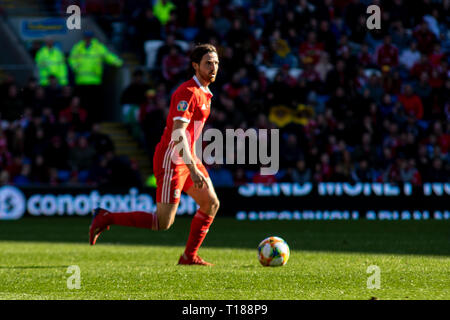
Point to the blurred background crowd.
(352, 104)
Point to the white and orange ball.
(273, 252)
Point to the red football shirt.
(190, 103)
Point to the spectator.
(152, 120)
(410, 56)
(23, 178)
(421, 66)
(375, 88)
(443, 138)
(353, 11)
(311, 50)
(37, 144)
(312, 77)
(28, 93)
(236, 36)
(392, 83)
(301, 173)
(57, 158)
(387, 54)
(411, 102)
(409, 173)
(323, 66)
(282, 54)
(436, 56)
(264, 179)
(15, 166)
(408, 145)
(100, 173)
(52, 93)
(221, 24)
(365, 58)
(63, 100)
(324, 170)
(387, 105)
(207, 33)
(123, 171)
(326, 36)
(425, 38)
(165, 49)
(132, 97)
(400, 12)
(4, 177)
(362, 172)
(51, 61)
(290, 151)
(17, 144)
(134, 93)
(337, 77)
(359, 31)
(39, 171)
(239, 177)
(400, 38)
(437, 172)
(12, 108)
(81, 158)
(423, 90)
(148, 26)
(101, 142)
(173, 66)
(76, 115)
(392, 173)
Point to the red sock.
(138, 219)
(199, 228)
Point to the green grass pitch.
(329, 260)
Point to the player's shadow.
(430, 237)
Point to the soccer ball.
(273, 252)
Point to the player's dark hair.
(199, 51)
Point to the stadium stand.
(352, 104)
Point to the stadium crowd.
(48, 138)
(368, 105)
(352, 104)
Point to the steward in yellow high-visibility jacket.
(162, 9)
(51, 61)
(86, 59)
